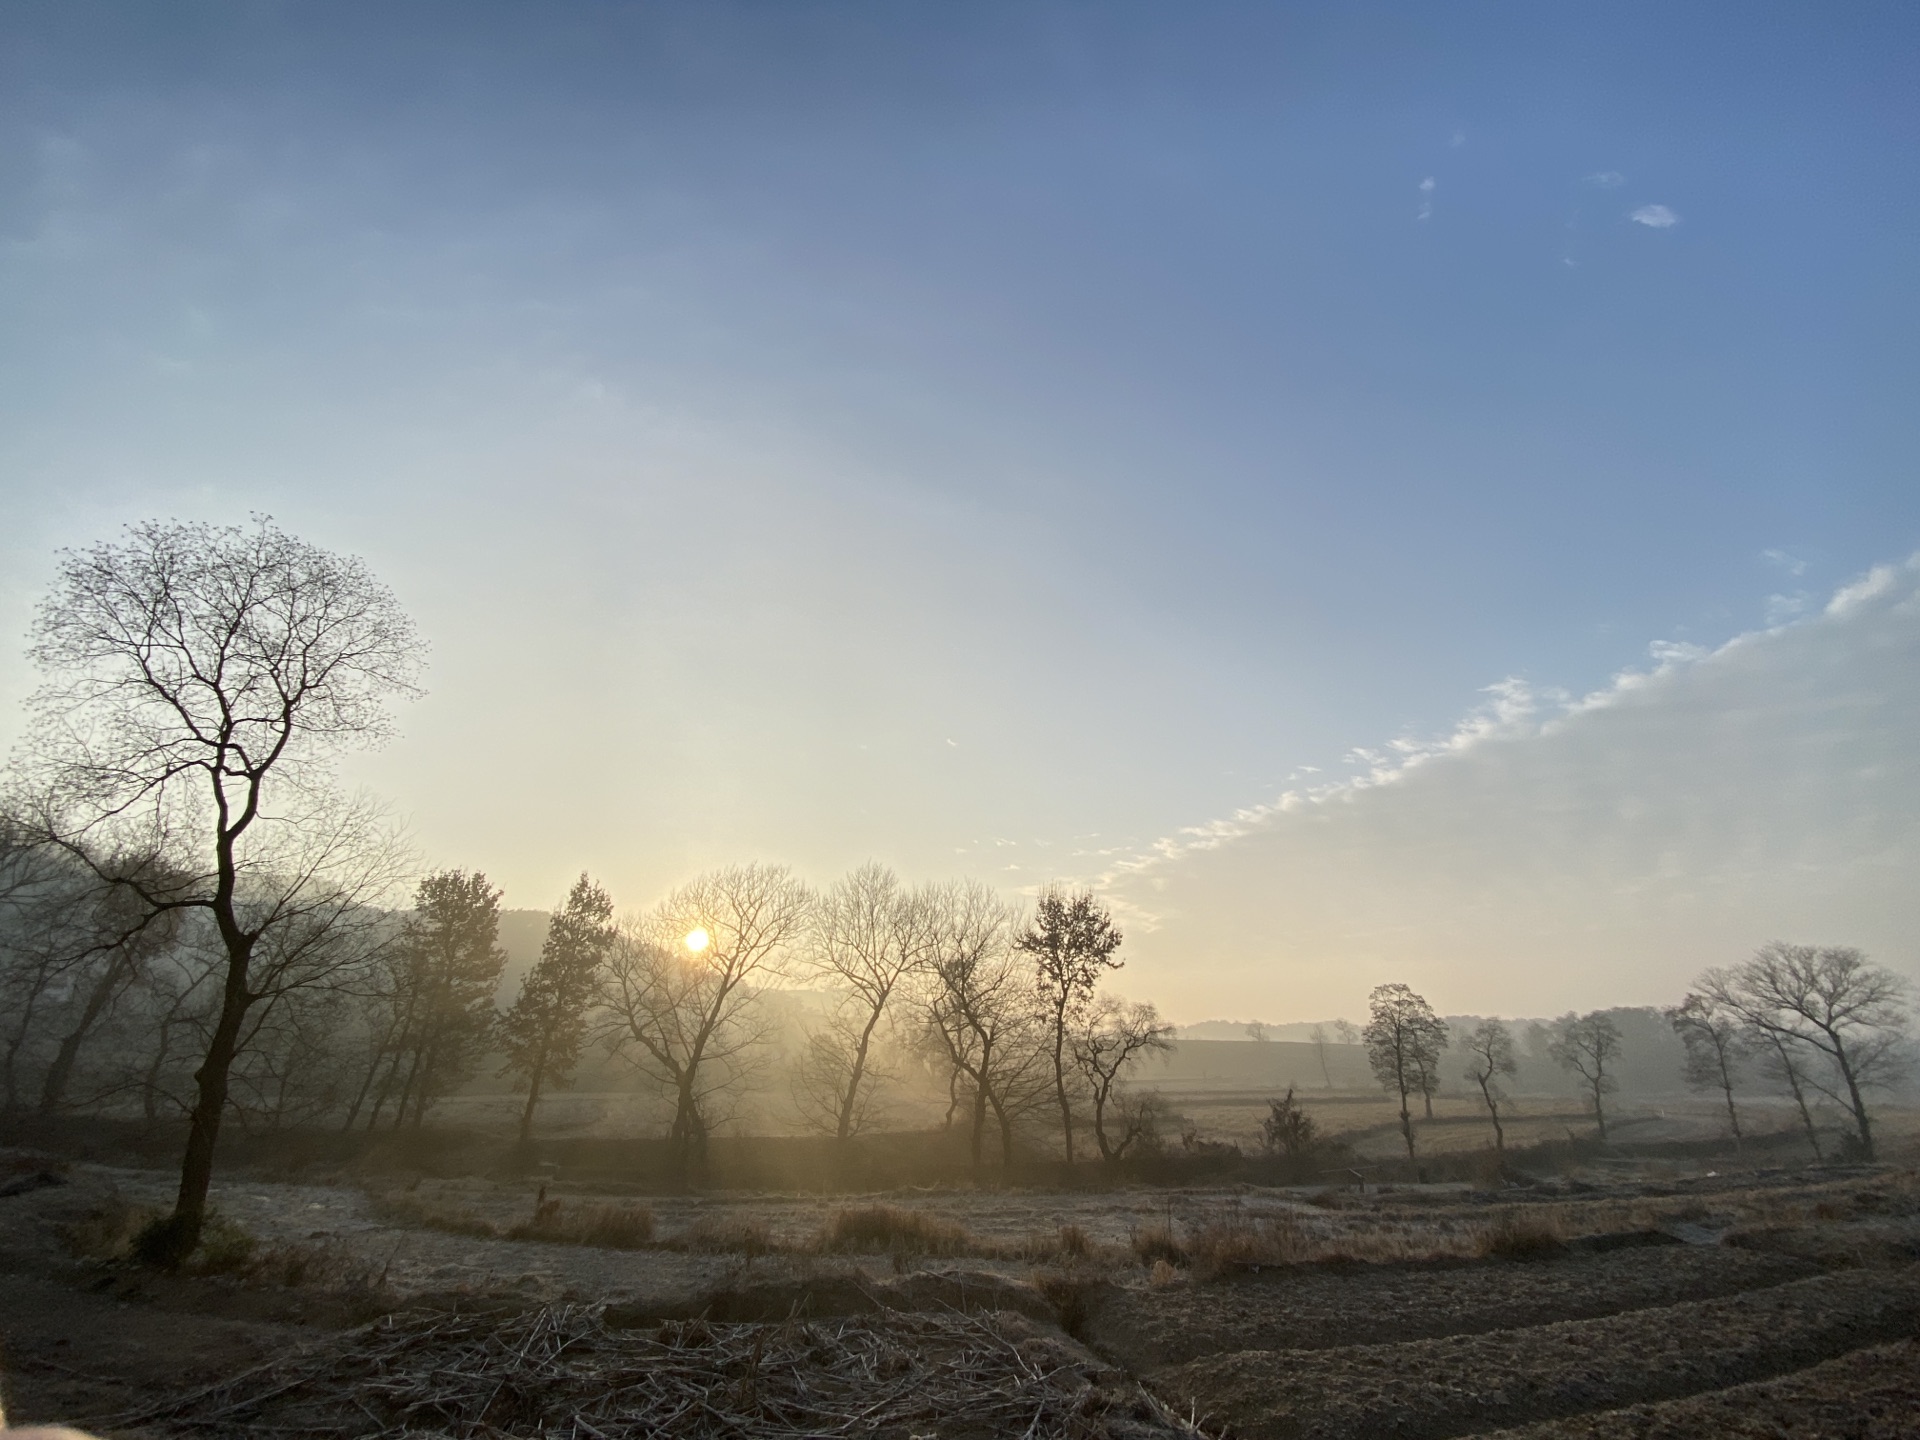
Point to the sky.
(1028, 441)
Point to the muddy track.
(1324, 1307)
(1466, 1384)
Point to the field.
(1619, 1296)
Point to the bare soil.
(1668, 1305)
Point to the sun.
(698, 940)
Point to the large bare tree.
(1404, 1039)
(199, 682)
(681, 982)
(1071, 941)
(1832, 1004)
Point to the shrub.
(225, 1248)
(896, 1228)
(1288, 1129)
(1522, 1237)
(110, 1232)
(1162, 1275)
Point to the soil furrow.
(1432, 1389)
(1323, 1307)
(1871, 1394)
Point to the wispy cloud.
(1427, 187)
(1555, 849)
(1656, 217)
(1606, 179)
(1459, 139)
(1792, 564)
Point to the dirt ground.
(1761, 1303)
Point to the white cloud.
(1557, 851)
(1607, 179)
(1459, 139)
(1657, 217)
(1427, 187)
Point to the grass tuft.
(894, 1228)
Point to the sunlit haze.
(1384, 492)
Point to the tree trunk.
(1733, 1115)
(1599, 1112)
(857, 1072)
(1406, 1122)
(172, 1241)
(54, 1088)
(1059, 1081)
(1858, 1102)
(534, 1077)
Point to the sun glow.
(698, 940)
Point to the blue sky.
(990, 438)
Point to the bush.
(109, 1233)
(896, 1228)
(1522, 1237)
(225, 1248)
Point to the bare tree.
(1257, 1031)
(1489, 1046)
(200, 681)
(870, 937)
(543, 1030)
(1318, 1036)
(1404, 1039)
(1588, 1045)
(1111, 1038)
(1830, 1001)
(1784, 1063)
(1071, 941)
(979, 1008)
(1716, 1039)
(681, 982)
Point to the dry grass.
(608, 1226)
(1157, 1244)
(107, 1233)
(428, 1213)
(726, 1235)
(893, 1228)
(1524, 1235)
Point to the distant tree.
(1318, 1035)
(1829, 1001)
(1257, 1031)
(680, 987)
(1588, 1045)
(547, 1024)
(1489, 1047)
(870, 936)
(1346, 1032)
(1404, 1039)
(1112, 1037)
(450, 964)
(1716, 1041)
(1071, 942)
(200, 680)
(1288, 1129)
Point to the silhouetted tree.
(1071, 941)
(547, 1024)
(1318, 1036)
(1111, 1038)
(1588, 1045)
(1288, 1129)
(681, 982)
(1830, 1001)
(1404, 1039)
(870, 936)
(1716, 1041)
(199, 680)
(1489, 1046)
(449, 964)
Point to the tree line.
(1810, 1023)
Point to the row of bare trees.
(1815, 1022)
